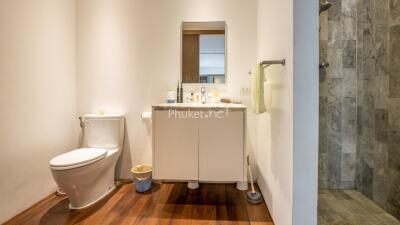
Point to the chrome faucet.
(203, 95)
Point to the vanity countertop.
(229, 106)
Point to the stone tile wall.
(360, 100)
(338, 91)
(378, 142)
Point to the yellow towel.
(257, 89)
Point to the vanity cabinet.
(221, 148)
(206, 148)
(175, 154)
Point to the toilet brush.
(253, 196)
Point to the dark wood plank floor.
(168, 203)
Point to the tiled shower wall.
(338, 91)
(378, 102)
(360, 99)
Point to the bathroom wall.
(287, 133)
(274, 146)
(129, 56)
(378, 104)
(359, 100)
(338, 92)
(37, 96)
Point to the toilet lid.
(78, 156)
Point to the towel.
(257, 89)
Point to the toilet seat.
(77, 158)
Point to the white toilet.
(86, 175)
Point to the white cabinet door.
(175, 154)
(221, 147)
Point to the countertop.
(183, 106)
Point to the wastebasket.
(142, 177)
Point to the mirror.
(203, 52)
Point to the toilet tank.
(103, 131)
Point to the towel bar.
(271, 62)
(267, 63)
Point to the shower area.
(359, 134)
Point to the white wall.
(129, 56)
(37, 97)
(286, 149)
(274, 150)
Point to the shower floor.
(350, 207)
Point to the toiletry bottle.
(178, 96)
(191, 97)
(203, 95)
(181, 93)
(170, 96)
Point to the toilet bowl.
(86, 175)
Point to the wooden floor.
(350, 207)
(166, 204)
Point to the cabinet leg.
(193, 184)
(242, 185)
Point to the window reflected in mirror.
(203, 52)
